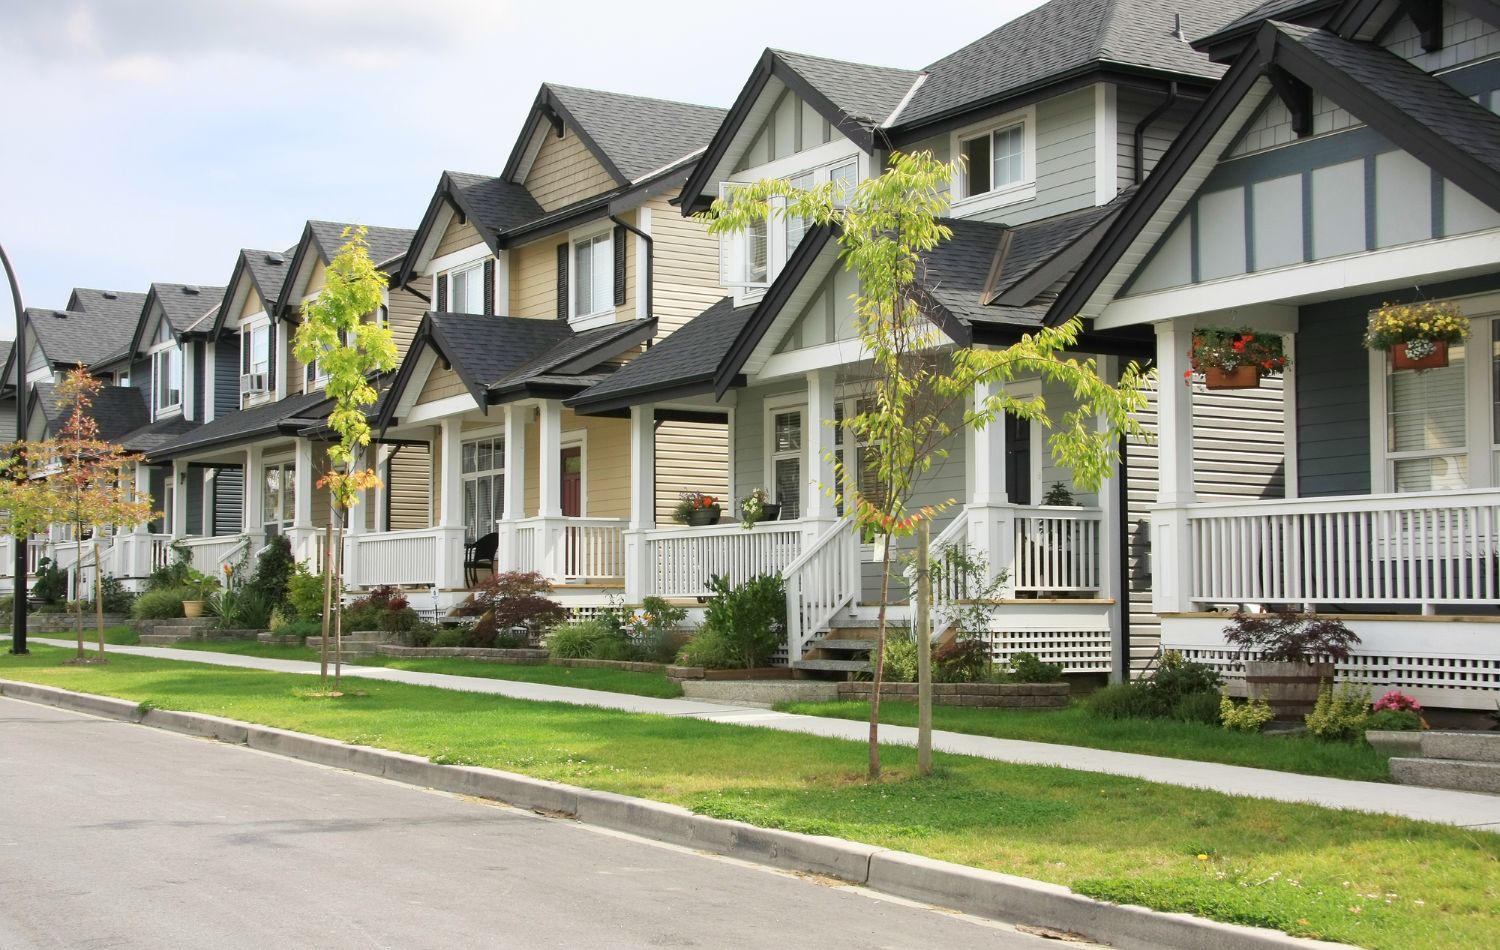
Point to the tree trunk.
(78, 599)
(338, 612)
(879, 665)
(922, 631)
(99, 595)
(327, 598)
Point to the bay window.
(483, 482)
(593, 276)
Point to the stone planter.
(192, 609)
(1437, 359)
(1241, 377)
(1395, 742)
(1291, 689)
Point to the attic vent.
(274, 258)
(191, 290)
(110, 295)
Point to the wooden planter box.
(1291, 689)
(1241, 377)
(1437, 359)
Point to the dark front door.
(1017, 460)
(572, 482)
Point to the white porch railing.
(161, 552)
(525, 556)
(1429, 548)
(679, 561)
(401, 558)
(951, 585)
(822, 581)
(1057, 550)
(593, 548)
(210, 555)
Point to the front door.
(1017, 460)
(572, 482)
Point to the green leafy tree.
(75, 479)
(342, 330)
(918, 387)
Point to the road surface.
(115, 835)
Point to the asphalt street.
(114, 835)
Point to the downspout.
(1144, 124)
(1122, 503)
(388, 460)
(650, 262)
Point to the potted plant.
(1059, 496)
(196, 588)
(758, 506)
(1416, 334)
(1288, 657)
(696, 508)
(1235, 358)
(1395, 724)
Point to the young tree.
(76, 479)
(919, 387)
(349, 350)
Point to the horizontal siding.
(690, 456)
(565, 171)
(606, 464)
(533, 284)
(229, 502)
(409, 482)
(441, 384)
(405, 315)
(226, 375)
(686, 267)
(1132, 106)
(461, 234)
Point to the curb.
(958, 887)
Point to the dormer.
(245, 334)
(170, 339)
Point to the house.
(1347, 159)
(1058, 114)
(542, 281)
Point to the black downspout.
(1144, 124)
(650, 260)
(1122, 501)
(389, 459)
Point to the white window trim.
(599, 318)
(792, 402)
(249, 326)
(1024, 190)
(1480, 441)
(155, 352)
(497, 436)
(287, 516)
(475, 267)
(578, 438)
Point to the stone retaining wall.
(64, 623)
(630, 666)
(525, 657)
(981, 695)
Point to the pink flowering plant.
(1396, 711)
(1397, 701)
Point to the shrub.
(743, 626)
(158, 604)
(302, 627)
(7, 607)
(1121, 701)
(174, 573)
(1244, 717)
(248, 608)
(654, 631)
(1026, 667)
(117, 599)
(597, 638)
(515, 599)
(1397, 701)
(421, 635)
(1399, 720)
(51, 583)
(900, 656)
(274, 569)
(448, 637)
(383, 608)
(1339, 715)
(1290, 638)
(304, 592)
(1197, 707)
(1177, 678)
(962, 660)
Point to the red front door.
(572, 482)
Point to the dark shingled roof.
(482, 349)
(185, 304)
(1064, 36)
(494, 204)
(268, 272)
(550, 366)
(122, 304)
(639, 135)
(242, 426)
(1269, 10)
(82, 337)
(149, 438)
(117, 409)
(385, 243)
(689, 356)
(864, 92)
(1036, 243)
(955, 273)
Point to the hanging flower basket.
(1417, 334)
(1234, 358)
(695, 508)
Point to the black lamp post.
(18, 359)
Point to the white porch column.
(506, 554)
(179, 498)
(450, 563)
(355, 518)
(302, 492)
(1171, 545)
(640, 580)
(143, 490)
(1112, 541)
(255, 487)
(817, 439)
(551, 550)
(992, 520)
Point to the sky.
(152, 139)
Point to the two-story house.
(1056, 115)
(542, 281)
(1348, 159)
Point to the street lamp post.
(18, 359)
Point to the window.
(786, 462)
(844, 177)
(255, 358)
(863, 472)
(278, 500)
(166, 371)
(483, 481)
(466, 289)
(797, 227)
(994, 160)
(1426, 426)
(752, 258)
(593, 276)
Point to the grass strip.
(1370, 880)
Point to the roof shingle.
(615, 122)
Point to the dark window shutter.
(562, 281)
(619, 245)
(489, 286)
(271, 363)
(442, 293)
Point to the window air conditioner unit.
(251, 383)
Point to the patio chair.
(479, 554)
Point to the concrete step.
(1453, 774)
(1469, 746)
(833, 666)
(840, 643)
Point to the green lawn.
(1177, 740)
(1364, 879)
(614, 681)
(252, 648)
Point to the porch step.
(833, 666)
(1457, 774)
(1468, 746)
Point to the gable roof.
(684, 363)
(1416, 111)
(184, 305)
(860, 91)
(574, 361)
(324, 239)
(1312, 12)
(493, 205)
(1065, 37)
(81, 337)
(256, 270)
(122, 304)
(116, 409)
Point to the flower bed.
(981, 695)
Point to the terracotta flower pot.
(192, 608)
(1437, 359)
(1241, 377)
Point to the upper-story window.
(752, 258)
(166, 371)
(255, 359)
(465, 288)
(999, 163)
(593, 276)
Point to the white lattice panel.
(1078, 651)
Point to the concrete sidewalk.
(1464, 809)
